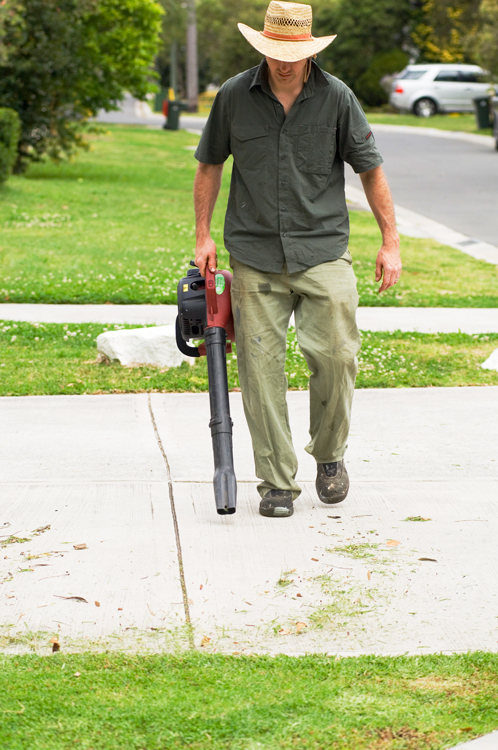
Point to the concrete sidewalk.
(422, 319)
(129, 476)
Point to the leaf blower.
(205, 312)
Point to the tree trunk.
(192, 71)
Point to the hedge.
(10, 131)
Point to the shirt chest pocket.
(315, 148)
(250, 145)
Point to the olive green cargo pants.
(324, 301)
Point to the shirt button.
(283, 209)
(284, 234)
(283, 184)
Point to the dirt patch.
(404, 737)
(462, 688)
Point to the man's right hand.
(205, 256)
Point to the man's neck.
(285, 94)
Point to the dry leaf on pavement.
(80, 546)
(392, 543)
(41, 530)
(97, 604)
(369, 574)
(56, 646)
(300, 626)
(205, 640)
(283, 631)
(74, 598)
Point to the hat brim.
(285, 51)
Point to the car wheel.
(425, 107)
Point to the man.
(290, 127)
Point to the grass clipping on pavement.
(220, 702)
(53, 358)
(117, 225)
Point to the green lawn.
(214, 702)
(43, 359)
(465, 122)
(117, 225)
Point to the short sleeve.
(356, 142)
(214, 146)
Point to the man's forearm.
(380, 200)
(388, 264)
(207, 185)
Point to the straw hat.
(287, 33)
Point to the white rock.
(143, 346)
(492, 361)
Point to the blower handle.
(190, 351)
(211, 296)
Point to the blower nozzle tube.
(225, 485)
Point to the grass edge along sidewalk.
(61, 359)
(316, 702)
(117, 225)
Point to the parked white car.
(427, 89)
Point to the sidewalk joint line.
(183, 584)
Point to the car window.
(412, 75)
(473, 77)
(449, 76)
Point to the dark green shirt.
(287, 202)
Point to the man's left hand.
(388, 267)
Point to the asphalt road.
(453, 182)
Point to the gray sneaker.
(277, 504)
(332, 482)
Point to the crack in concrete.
(183, 584)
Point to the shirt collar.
(315, 81)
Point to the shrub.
(66, 60)
(10, 131)
(368, 86)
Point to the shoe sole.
(334, 500)
(278, 512)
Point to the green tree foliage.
(9, 14)
(10, 130)
(69, 58)
(485, 41)
(222, 48)
(366, 30)
(444, 30)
